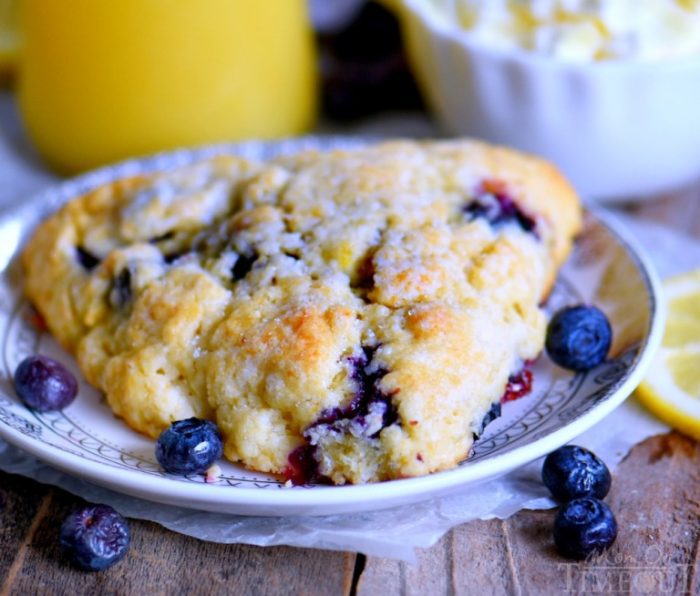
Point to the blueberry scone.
(349, 315)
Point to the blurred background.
(606, 89)
(103, 82)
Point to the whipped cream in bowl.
(581, 30)
(606, 89)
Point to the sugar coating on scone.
(349, 315)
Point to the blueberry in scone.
(350, 316)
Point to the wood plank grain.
(20, 499)
(479, 550)
(656, 498)
(158, 562)
(389, 577)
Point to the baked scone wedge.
(347, 315)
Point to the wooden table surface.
(655, 496)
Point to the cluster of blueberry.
(579, 480)
(364, 69)
(96, 536)
(578, 338)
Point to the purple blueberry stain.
(519, 383)
(370, 411)
(494, 204)
(368, 377)
(493, 413)
(87, 260)
(162, 238)
(121, 291)
(244, 263)
(302, 466)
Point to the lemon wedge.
(9, 37)
(671, 389)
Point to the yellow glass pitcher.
(100, 80)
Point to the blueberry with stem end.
(189, 446)
(571, 472)
(583, 527)
(578, 337)
(95, 537)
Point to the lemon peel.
(671, 388)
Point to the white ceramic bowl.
(618, 130)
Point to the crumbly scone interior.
(366, 306)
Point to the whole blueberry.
(571, 472)
(578, 337)
(189, 446)
(44, 384)
(95, 537)
(584, 526)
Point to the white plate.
(86, 440)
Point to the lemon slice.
(671, 389)
(9, 37)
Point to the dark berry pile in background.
(364, 70)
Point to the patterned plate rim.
(342, 498)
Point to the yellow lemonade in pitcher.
(100, 80)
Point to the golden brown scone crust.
(366, 306)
